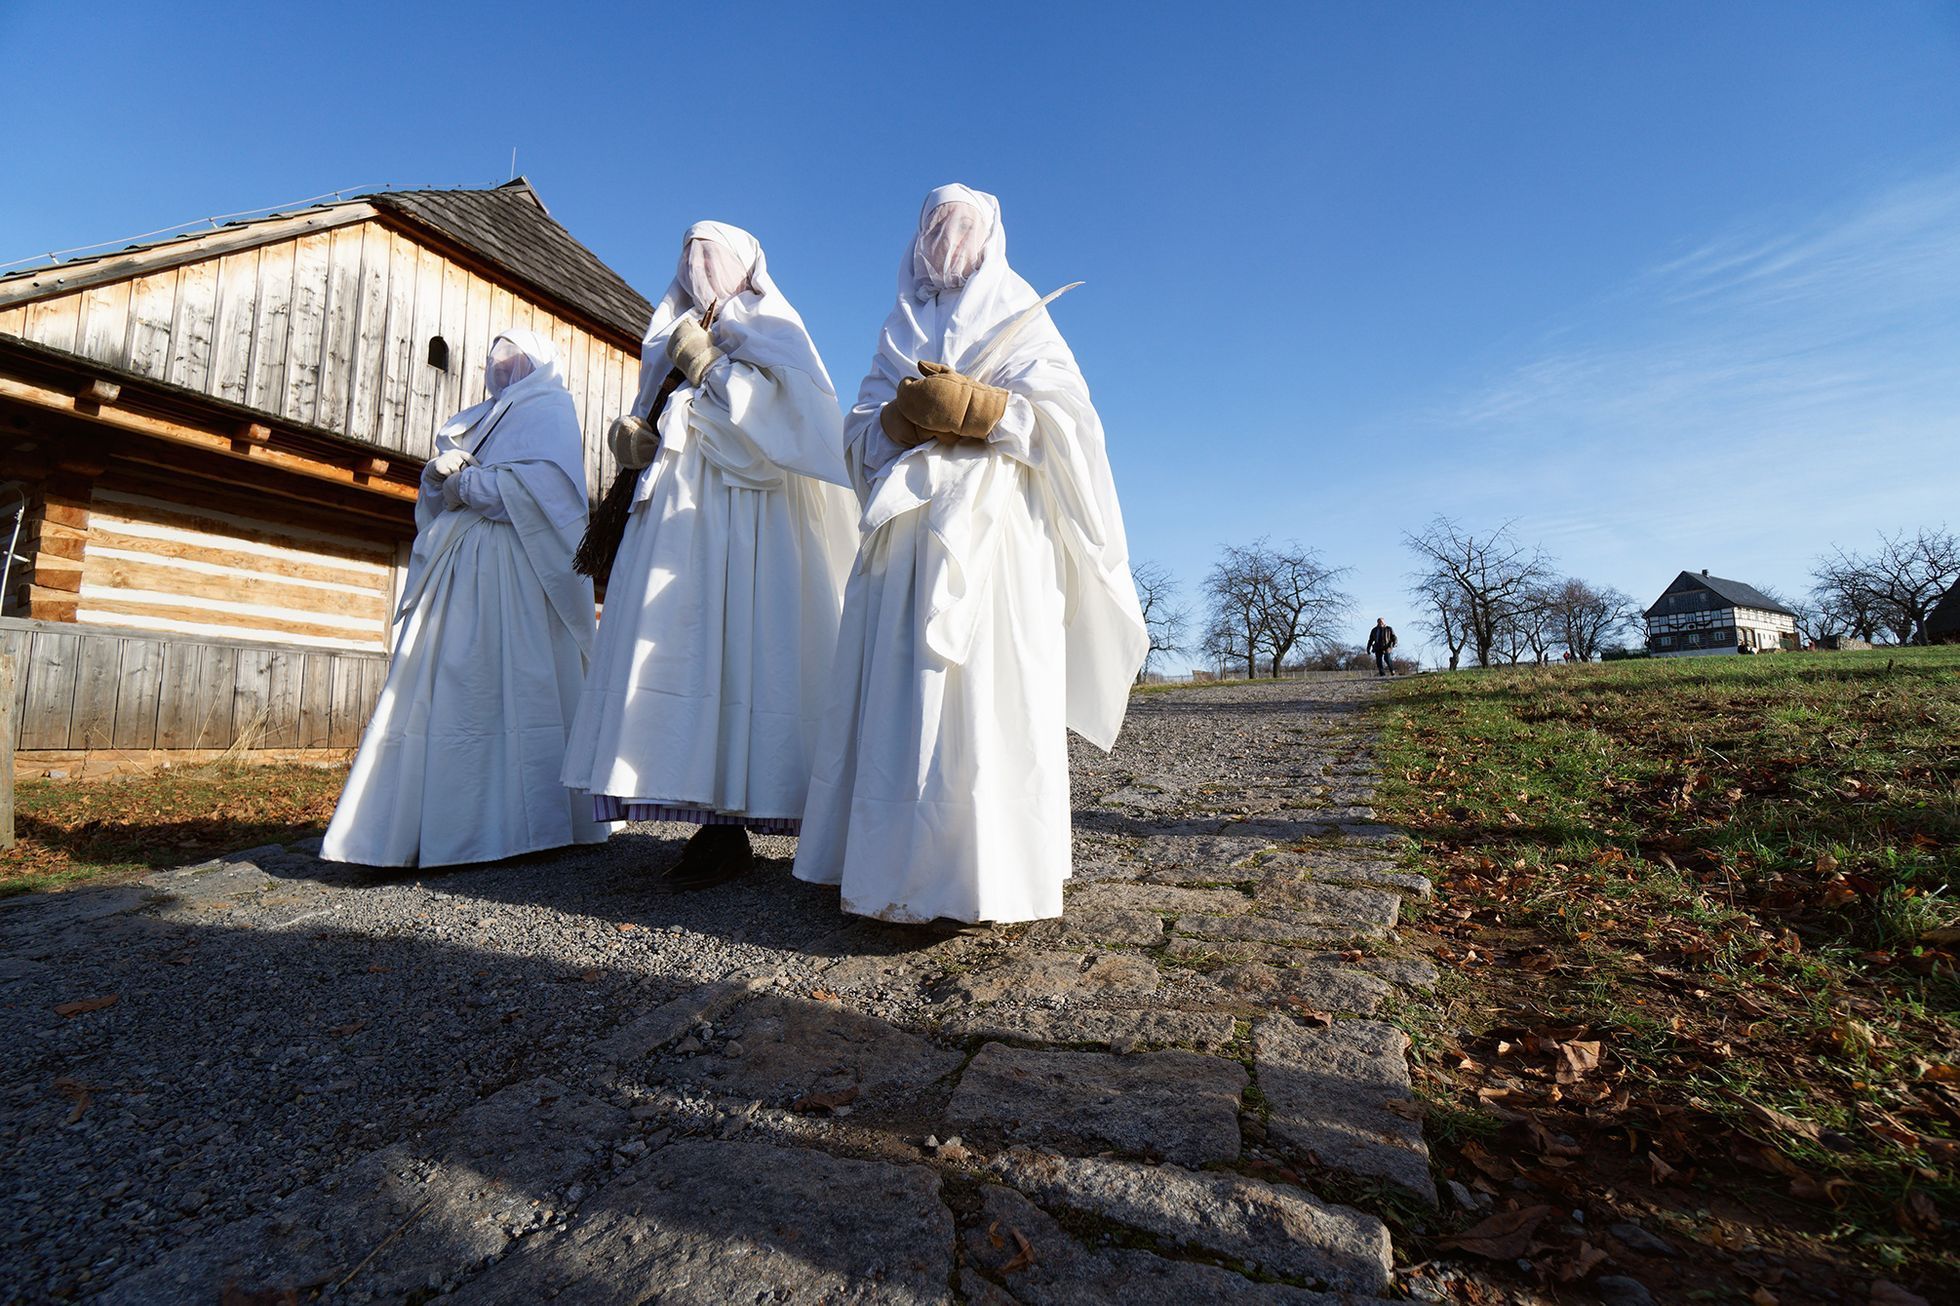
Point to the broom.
(599, 546)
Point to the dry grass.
(1698, 921)
(70, 832)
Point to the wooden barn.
(1700, 614)
(209, 448)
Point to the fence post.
(6, 750)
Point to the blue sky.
(1671, 285)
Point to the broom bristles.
(599, 546)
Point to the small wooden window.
(439, 353)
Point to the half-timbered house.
(1700, 614)
(210, 445)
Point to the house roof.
(507, 227)
(1733, 592)
(510, 227)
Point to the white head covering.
(939, 321)
(754, 320)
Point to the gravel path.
(552, 1078)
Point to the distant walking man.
(1380, 640)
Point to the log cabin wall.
(160, 561)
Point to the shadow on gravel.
(239, 1067)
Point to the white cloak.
(991, 609)
(460, 762)
(713, 657)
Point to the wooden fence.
(89, 688)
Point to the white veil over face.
(710, 272)
(952, 242)
(754, 321)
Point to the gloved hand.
(899, 428)
(633, 442)
(692, 349)
(950, 406)
(447, 463)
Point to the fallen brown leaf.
(1577, 1059)
(78, 1093)
(1585, 1258)
(810, 1103)
(1504, 1236)
(80, 1005)
(1023, 1258)
(824, 995)
(351, 1027)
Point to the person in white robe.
(991, 606)
(461, 760)
(721, 608)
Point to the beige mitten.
(900, 428)
(949, 405)
(633, 442)
(692, 349)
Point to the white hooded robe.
(460, 762)
(714, 650)
(990, 609)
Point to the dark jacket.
(1381, 639)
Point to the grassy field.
(70, 831)
(1697, 920)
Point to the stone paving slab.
(1276, 927)
(706, 1223)
(1018, 1253)
(1333, 904)
(1279, 1231)
(1177, 1105)
(671, 1021)
(1340, 990)
(1103, 926)
(1333, 1095)
(1341, 868)
(406, 1218)
(777, 1050)
(1119, 1030)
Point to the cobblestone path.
(552, 1080)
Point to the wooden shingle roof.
(509, 227)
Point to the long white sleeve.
(476, 488)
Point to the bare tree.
(1893, 587)
(1585, 618)
(1164, 618)
(1271, 602)
(1443, 615)
(1235, 621)
(1302, 602)
(1493, 577)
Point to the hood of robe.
(526, 411)
(755, 322)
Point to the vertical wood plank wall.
(331, 329)
(79, 688)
